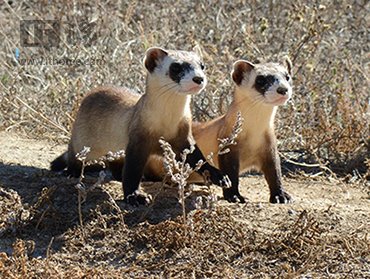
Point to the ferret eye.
(287, 77)
(260, 80)
(176, 68)
(202, 66)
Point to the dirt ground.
(324, 233)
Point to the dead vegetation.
(327, 43)
(48, 229)
(211, 244)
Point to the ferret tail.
(60, 163)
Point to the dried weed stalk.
(84, 189)
(231, 140)
(15, 215)
(179, 171)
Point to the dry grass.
(217, 246)
(326, 125)
(327, 43)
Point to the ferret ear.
(240, 68)
(153, 57)
(289, 65)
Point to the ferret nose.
(282, 90)
(198, 80)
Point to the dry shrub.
(212, 240)
(306, 247)
(20, 265)
(11, 211)
(15, 216)
(217, 246)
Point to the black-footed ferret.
(112, 119)
(259, 90)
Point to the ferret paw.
(216, 177)
(137, 198)
(282, 197)
(233, 197)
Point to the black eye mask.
(178, 70)
(263, 83)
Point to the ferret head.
(175, 71)
(269, 82)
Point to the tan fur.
(256, 144)
(103, 120)
(258, 122)
(108, 113)
(113, 119)
(165, 111)
(258, 119)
